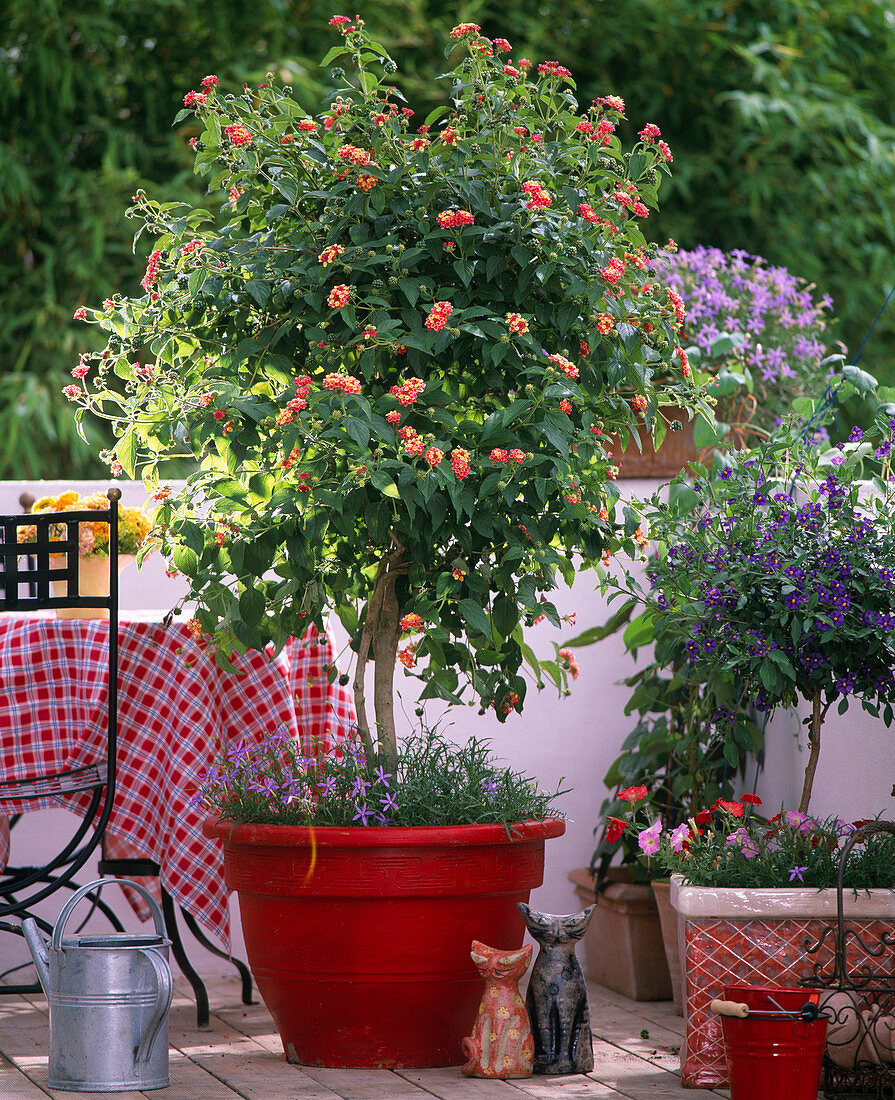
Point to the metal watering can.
(109, 997)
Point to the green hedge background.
(780, 115)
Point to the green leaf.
(769, 676)
(381, 481)
(410, 289)
(505, 615)
(861, 380)
(186, 560)
(724, 343)
(336, 51)
(640, 631)
(611, 626)
(126, 451)
(476, 616)
(358, 430)
(783, 663)
(251, 606)
(731, 754)
(288, 188)
(259, 291)
(706, 434)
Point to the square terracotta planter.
(758, 937)
(677, 449)
(623, 948)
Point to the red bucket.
(773, 1057)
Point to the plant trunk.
(381, 633)
(385, 652)
(817, 717)
(363, 652)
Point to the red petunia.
(615, 830)
(751, 799)
(704, 817)
(633, 794)
(735, 809)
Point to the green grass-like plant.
(431, 782)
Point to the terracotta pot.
(359, 938)
(668, 922)
(676, 450)
(623, 947)
(93, 580)
(758, 937)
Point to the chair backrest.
(31, 547)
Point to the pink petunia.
(648, 839)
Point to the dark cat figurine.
(557, 995)
(500, 1045)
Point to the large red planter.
(359, 938)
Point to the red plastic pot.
(359, 938)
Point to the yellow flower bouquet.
(93, 538)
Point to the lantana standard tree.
(396, 354)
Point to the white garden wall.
(572, 741)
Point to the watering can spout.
(39, 952)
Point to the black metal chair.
(26, 578)
(27, 588)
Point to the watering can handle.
(164, 996)
(66, 912)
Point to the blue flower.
(240, 750)
(363, 813)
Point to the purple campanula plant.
(778, 325)
(432, 782)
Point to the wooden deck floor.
(635, 1047)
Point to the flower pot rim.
(784, 902)
(363, 836)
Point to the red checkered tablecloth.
(175, 706)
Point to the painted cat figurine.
(557, 996)
(501, 1043)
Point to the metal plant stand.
(859, 999)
